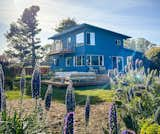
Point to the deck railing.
(61, 51)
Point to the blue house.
(86, 47)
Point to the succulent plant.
(113, 129)
(69, 123)
(22, 82)
(36, 82)
(48, 97)
(87, 110)
(70, 98)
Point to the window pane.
(101, 61)
(94, 60)
(68, 61)
(92, 38)
(88, 60)
(88, 38)
(80, 39)
(78, 60)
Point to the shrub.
(157, 116)
(153, 54)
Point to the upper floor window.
(90, 38)
(118, 42)
(57, 45)
(68, 41)
(80, 39)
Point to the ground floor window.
(117, 63)
(79, 60)
(95, 60)
(56, 61)
(68, 61)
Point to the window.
(68, 42)
(90, 38)
(56, 62)
(129, 59)
(80, 39)
(58, 45)
(95, 60)
(79, 60)
(68, 61)
(118, 42)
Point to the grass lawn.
(97, 94)
(11, 95)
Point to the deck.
(100, 80)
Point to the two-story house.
(86, 47)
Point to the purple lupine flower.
(2, 94)
(70, 98)
(126, 69)
(87, 110)
(137, 64)
(69, 123)
(113, 129)
(48, 98)
(1, 76)
(22, 82)
(128, 132)
(140, 63)
(36, 82)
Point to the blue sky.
(136, 18)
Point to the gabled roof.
(83, 26)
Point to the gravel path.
(98, 118)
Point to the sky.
(136, 18)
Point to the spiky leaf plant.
(113, 128)
(70, 98)
(87, 110)
(48, 98)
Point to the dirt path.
(98, 118)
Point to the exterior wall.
(105, 44)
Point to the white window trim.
(75, 60)
(90, 39)
(98, 60)
(118, 42)
(117, 62)
(66, 61)
(80, 44)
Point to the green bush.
(153, 54)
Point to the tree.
(153, 54)
(17, 41)
(139, 44)
(22, 36)
(29, 18)
(65, 24)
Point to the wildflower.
(22, 82)
(36, 82)
(87, 110)
(128, 132)
(69, 123)
(140, 63)
(70, 99)
(126, 69)
(137, 64)
(113, 120)
(48, 98)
